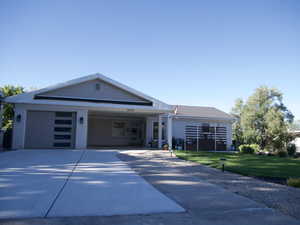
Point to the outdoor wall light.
(18, 118)
(81, 120)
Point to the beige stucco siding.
(88, 90)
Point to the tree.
(237, 131)
(264, 119)
(8, 112)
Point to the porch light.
(81, 120)
(18, 118)
(222, 162)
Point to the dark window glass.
(62, 137)
(62, 144)
(155, 131)
(62, 129)
(63, 121)
(205, 127)
(63, 114)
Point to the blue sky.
(183, 52)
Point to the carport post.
(159, 132)
(169, 127)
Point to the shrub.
(246, 149)
(256, 147)
(291, 149)
(294, 182)
(282, 153)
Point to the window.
(118, 129)
(63, 114)
(62, 144)
(63, 122)
(205, 127)
(155, 131)
(62, 137)
(62, 129)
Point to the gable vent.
(98, 87)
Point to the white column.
(19, 127)
(159, 131)
(169, 127)
(81, 129)
(229, 135)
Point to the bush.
(294, 182)
(256, 147)
(246, 149)
(282, 153)
(291, 149)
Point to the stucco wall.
(297, 142)
(88, 90)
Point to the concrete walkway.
(52, 183)
(206, 203)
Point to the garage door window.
(63, 127)
(68, 122)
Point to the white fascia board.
(29, 96)
(93, 106)
(231, 120)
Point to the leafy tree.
(264, 119)
(237, 131)
(8, 112)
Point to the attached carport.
(108, 129)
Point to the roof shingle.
(200, 111)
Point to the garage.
(46, 129)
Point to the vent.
(98, 87)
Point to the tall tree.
(8, 112)
(237, 131)
(264, 119)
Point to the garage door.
(50, 129)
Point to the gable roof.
(200, 112)
(30, 97)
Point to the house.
(96, 111)
(297, 139)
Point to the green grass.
(247, 164)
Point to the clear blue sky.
(183, 52)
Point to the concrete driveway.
(52, 183)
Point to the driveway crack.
(65, 183)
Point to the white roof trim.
(204, 118)
(29, 96)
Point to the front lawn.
(247, 164)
